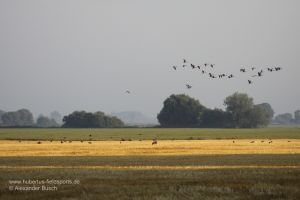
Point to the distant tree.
(239, 106)
(180, 111)
(268, 112)
(1, 113)
(286, 118)
(43, 121)
(21, 117)
(82, 119)
(216, 118)
(244, 113)
(56, 116)
(297, 116)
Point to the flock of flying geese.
(208, 66)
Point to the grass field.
(150, 133)
(185, 164)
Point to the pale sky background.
(71, 55)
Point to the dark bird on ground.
(90, 142)
(233, 141)
(39, 142)
(252, 141)
(61, 141)
(154, 141)
(188, 86)
(20, 141)
(90, 135)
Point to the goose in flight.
(127, 91)
(188, 86)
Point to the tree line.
(77, 119)
(178, 111)
(241, 112)
(287, 118)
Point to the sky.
(68, 55)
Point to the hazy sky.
(71, 55)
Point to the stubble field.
(185, 164)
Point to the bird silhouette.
(199, 67)
(212, 65)
(230, 76)
(188, 86)
(174, 67)
(242, 70)
(184, 60)
(250, 82)
(127, 91)
(193, 66)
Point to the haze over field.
(83, 55)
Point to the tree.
(267, 111)
(21, 117)
(82, 119)
(245, 114)
(180, 111)
(56, 116)
(43, 121)
(286, 118)
(216, 118)
(239, 106)
(297, 116)
(1, 113)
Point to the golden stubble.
(145, 148)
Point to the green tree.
(82, 119)
(216, 118)
(245, 114)
(239, 106)
(180, 111)
(268, 112)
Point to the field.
(185, 164)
